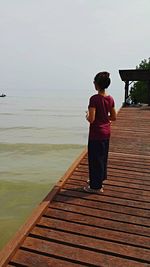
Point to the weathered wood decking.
(74, 228)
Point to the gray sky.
(56, 45)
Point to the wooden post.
(126, 92)
(149, 93)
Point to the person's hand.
(87, 115)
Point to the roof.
(134, 75)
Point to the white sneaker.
(88, 181)
(91, 190)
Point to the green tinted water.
(27, 174)
(40, 137)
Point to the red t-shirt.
(100, 128)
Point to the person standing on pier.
(101, 111)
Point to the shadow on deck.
(74, 228)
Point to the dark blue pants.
(97, 157)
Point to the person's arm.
(113, 114)
(91, 115)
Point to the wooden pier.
(75, 228)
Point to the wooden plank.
(139, 150)
(130, 180)
(111, 176)
(131, 156)
(76, 178)
(73, 239)
(33, 259)
(79, 206)
(132, 175)
(116, 193)
(127, 162)
(76, 198)
(119, 171)
(77, 254)
(130, 185)
(112, 198)
(108, 200)
(122, 166)
(145, 171)
(123, 183)
(99, 222)
(95, 232)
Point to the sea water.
(39, 138)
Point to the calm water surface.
(39, 139)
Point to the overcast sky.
(56, 45)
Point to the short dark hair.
(102, 80)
